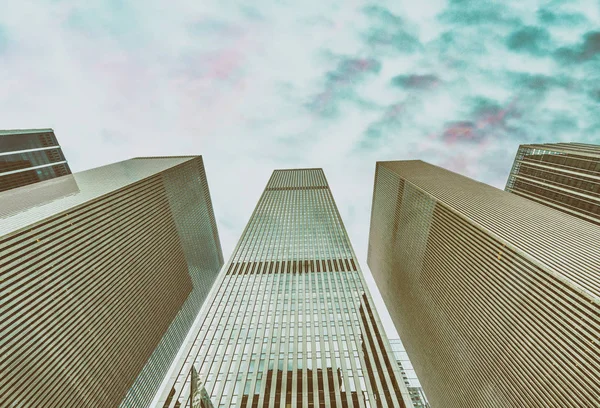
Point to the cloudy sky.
(338, 84)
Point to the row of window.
(584, 185)
(568, 161)
(559, 197)
(279, 230)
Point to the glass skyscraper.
(565, 176)
(290, 322)
(409, 375)
(495, 297)
(99, 287)
(29, 156)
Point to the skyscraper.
(495, 297)
(290, 321)
(29, 156)
(565, 176)
(99, 288)
(408, 375)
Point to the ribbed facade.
(98, 289)
(291, 321)
(29, 156)
(496, 297)
(565, 176)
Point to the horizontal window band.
(298, 188)
(292, 266)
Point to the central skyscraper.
(290, 322)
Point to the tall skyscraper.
(99, 288)
(409, 375)
(495, 297)
(565, 176)
(29, 156)
(290, 322)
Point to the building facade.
(30, 156)
(495, 297)
(409, 376)
(291, 321)
(99, 288)
(565, 176)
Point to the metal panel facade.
(500, 305)
(291, 322)
(565, 176)
(99, 288)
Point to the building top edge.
(300, 169)
(396, 161)
(582, 149)
(568, 241)
(189, 156)
(91, 184)
(5, 132)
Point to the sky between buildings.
(254, 86)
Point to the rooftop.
(91, 184)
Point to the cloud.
(533, 40)
(533, 82)
(591, 45)
(251, 12)
(377, 133)
(383, 15)
(340, 85)
(113, 19)
(548, 16)
(387, 32)
(595, 94)
(486, 122)
(213, 27)
(461, 131)
(586, 50)
(352, 69)
(564, 123)
(415, 81)
(476, 13)
(458, 46)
